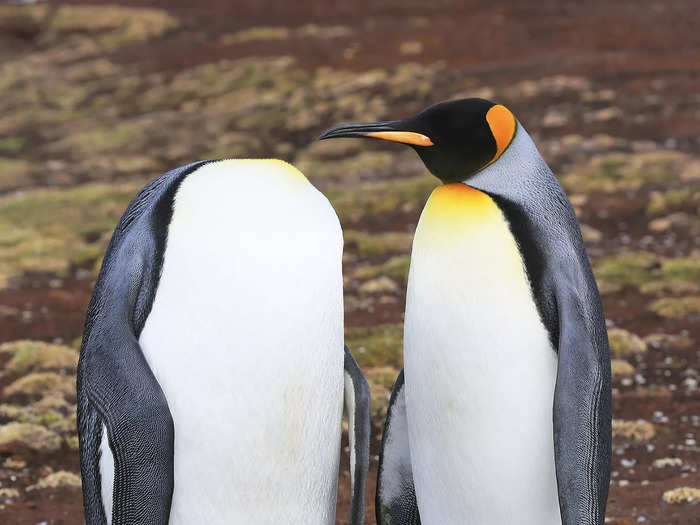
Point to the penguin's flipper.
(582, 413)
(120, 393)
(396, 502)
(357, 400)
(116, 388)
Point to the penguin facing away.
(213, 375)
(502, 412)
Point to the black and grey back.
(549, 238)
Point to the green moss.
(620, 367)
(376, 346)
(353, 203)
(36, 355)
(383, 376)
(626, 269)
(676, 307)
(45, 419)
(11, 144)
(15, 436)
(664, 202)
(681, 269)
(26, 13)
(647, 272)
(255, 34)
(379, 243)
(13, 172)
(72, 442)
(374, 164)
(41, 384)
(57, 480)
(45, 230)
(110, 138)
(624, 343)
(282, 33)
(396, 267)
(616, 172)
(113, 26)
(670, 342)
(380, 380)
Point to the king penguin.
(502, 412)
(213, 375)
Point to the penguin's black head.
(454, 139)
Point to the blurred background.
(97, 99)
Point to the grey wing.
(396, 502)
(357, 400)
(116, 388)
(582, 413)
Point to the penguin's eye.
(502, 124)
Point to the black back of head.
(463, 141)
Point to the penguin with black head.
(213, 375)
(502, 412)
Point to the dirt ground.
(97, 100)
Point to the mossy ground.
(97, 100)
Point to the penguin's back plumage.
(245, 337)
(480, 370)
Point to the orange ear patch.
(502, 124)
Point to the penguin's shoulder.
(239, 173)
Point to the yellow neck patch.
(502, 124)
(460, 224)
(457, 205)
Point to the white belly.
(480, 372)
(246, 339)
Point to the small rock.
(411, 48)
(682, 495)
(667, 462)
(7, 312)
(554, 119)
(639, 430)
(590, 234)
(604, 115)
(620, 367)
(379, 285)
(9, 494)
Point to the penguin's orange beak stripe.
(405, 137)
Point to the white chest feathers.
(479, 369)
(245, 337)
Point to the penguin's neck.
(540, 217)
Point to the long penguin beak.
(389, 130)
